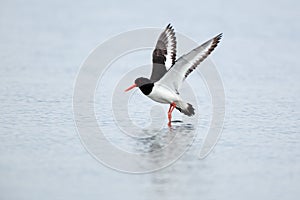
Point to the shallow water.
(257, 157)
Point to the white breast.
(163, 94)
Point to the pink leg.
(172, 107)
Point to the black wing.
(164, 54)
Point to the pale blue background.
(43, 43)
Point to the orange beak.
(131, 87)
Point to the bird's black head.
(142, 81)
(144, 84)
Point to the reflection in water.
(166, 147)
(158, 142)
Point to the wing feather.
(164, 54)
(187, 63)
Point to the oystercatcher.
(168, 73)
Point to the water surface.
(42, 46)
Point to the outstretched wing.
(187, 63)
(164, 54)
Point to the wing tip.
(169, 27)
(218, 37)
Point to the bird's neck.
(147, 88)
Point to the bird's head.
(139, 82)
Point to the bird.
(168, 73)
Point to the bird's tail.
(185, 108)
